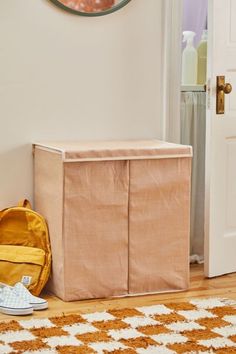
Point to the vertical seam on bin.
(128, 263)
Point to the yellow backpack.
(25, 254)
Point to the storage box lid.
(116, 150)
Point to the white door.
(220, 241)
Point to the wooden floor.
(224, 286)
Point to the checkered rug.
(198, 326)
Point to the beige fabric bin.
(118, 216)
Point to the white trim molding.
(173, 10)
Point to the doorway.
(193, 113)
(220, 142)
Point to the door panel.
(220, 245)
(231, 188)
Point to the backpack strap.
(24, 203)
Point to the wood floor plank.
(200, 287)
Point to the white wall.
(69, 77)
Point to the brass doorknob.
(222, 88)
(227, 88)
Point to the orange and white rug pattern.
(199, 326)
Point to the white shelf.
(192, 88)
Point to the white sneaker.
(20, 291)
(11, 304)
(36, 302)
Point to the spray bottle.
(202, 59)
(189, 60)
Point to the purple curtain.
(195, 17)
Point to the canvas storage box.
(118, 216)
